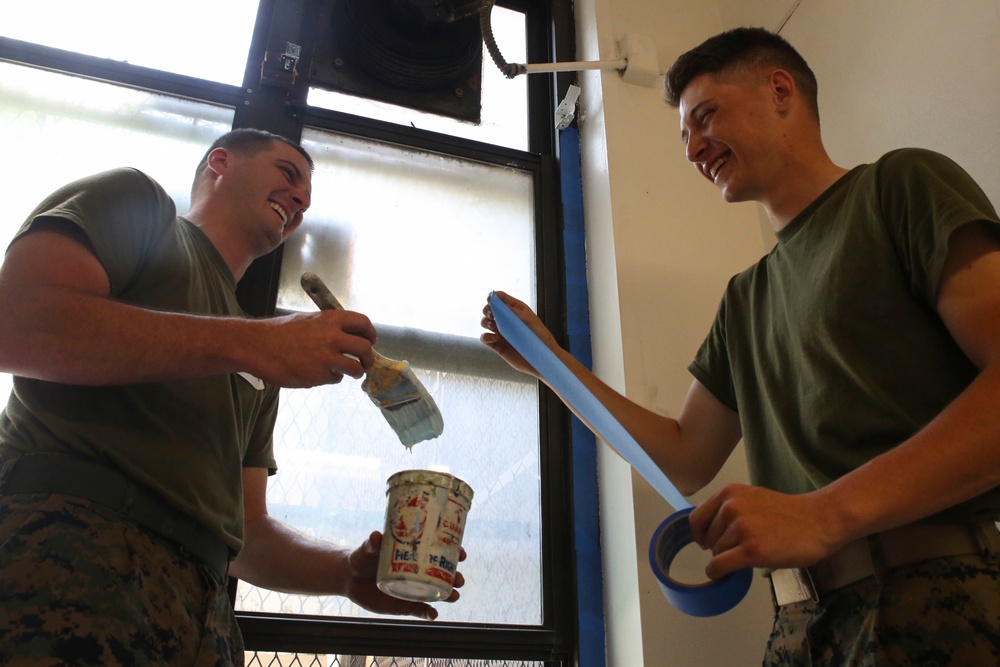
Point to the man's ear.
(219, 160)
(783, 89)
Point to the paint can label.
(424, 523)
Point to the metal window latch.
(280, 69)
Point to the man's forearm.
(61, 335)
(279, 558)
(954, 458)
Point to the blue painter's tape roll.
(708, 599)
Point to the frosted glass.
(416, 241)
(207, 40)
(335, 452)
(57, 128)
(450, 231)
(411, 238)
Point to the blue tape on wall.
(586, 515)
(708, 599)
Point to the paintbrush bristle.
(405, 403)
(416, 420)
(390, 384)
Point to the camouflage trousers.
(942, 612)
(78, 586)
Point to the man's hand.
(361, 588)
(749, 526)
(498, 344)
(310, 349)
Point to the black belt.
(111, 489)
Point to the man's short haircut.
(741, 52)
(247, 141)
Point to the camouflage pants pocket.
(943, 612)
(78, 586)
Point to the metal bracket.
(566, 111)
(280, 69)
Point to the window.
(207, 40)
(415, 219)
(416, 240)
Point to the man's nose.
(694, 147)
(301, 198)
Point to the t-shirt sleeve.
(711, 363)
(924, 198)
(123, 212)
(260, 449)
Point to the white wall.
(662, 244)
(898, 73)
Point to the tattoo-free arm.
(952, 459)
(61, 324)
(276, 557)
(690, 450)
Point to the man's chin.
(733, 195)
(730, 197)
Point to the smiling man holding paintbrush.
(137, 443)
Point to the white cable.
(536, 68)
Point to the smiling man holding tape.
(860, 363)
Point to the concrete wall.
(662, 244)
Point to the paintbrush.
(390, 384)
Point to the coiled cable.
(509, 70)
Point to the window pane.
(207, 40)
(411, 238)
(504, 101)
(56, 128)
(416, 241)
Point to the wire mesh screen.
(261, 659)
(335, 452)
(416, 240)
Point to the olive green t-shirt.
(830, 348)
(188, 440)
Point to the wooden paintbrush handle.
(325, 300)
(318, 292)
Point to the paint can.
(424, 522)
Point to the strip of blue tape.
(708, 599)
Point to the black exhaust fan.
(420, 54)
